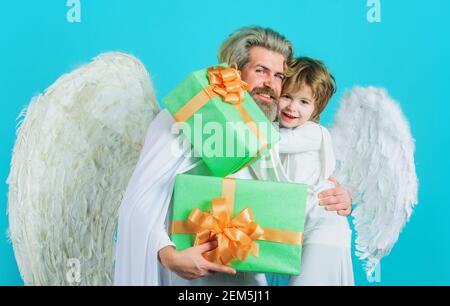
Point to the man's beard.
(269, 109)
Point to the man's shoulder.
(162, 125)
(164, 117)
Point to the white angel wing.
(375, 161)
(75, 152)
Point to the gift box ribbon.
(236, 236)
(227, 84)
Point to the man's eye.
(281, 77)
(259, 70)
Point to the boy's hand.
(336, 199)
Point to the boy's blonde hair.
(305, 71)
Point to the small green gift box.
(218, 116)
(258, 224)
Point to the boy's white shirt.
(305, 155)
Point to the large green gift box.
(218, 116)
(263, 234)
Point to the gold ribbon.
(236, 236)
(226, 83)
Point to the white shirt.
(307, 156)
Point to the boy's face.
(295, 109)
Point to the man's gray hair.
(236, 48)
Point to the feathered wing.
(75, 151)
(375, 161)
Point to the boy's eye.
(286, 97)
(305, 102)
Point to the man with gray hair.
(253, 50)
(145, 255)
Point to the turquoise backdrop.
(407, 53)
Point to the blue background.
(408, 53)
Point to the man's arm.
(190, 263)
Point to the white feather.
(74, 154)
(375, 153)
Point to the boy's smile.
(297, 108)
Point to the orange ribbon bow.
(223, 82)
(227, 83)
(235, 236)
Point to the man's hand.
(190, 263)
(336, 199)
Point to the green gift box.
(276, 208)
(226, 128)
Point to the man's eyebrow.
(262, 66)
(267, 69)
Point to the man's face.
(265, 74)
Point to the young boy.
(307, 156)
